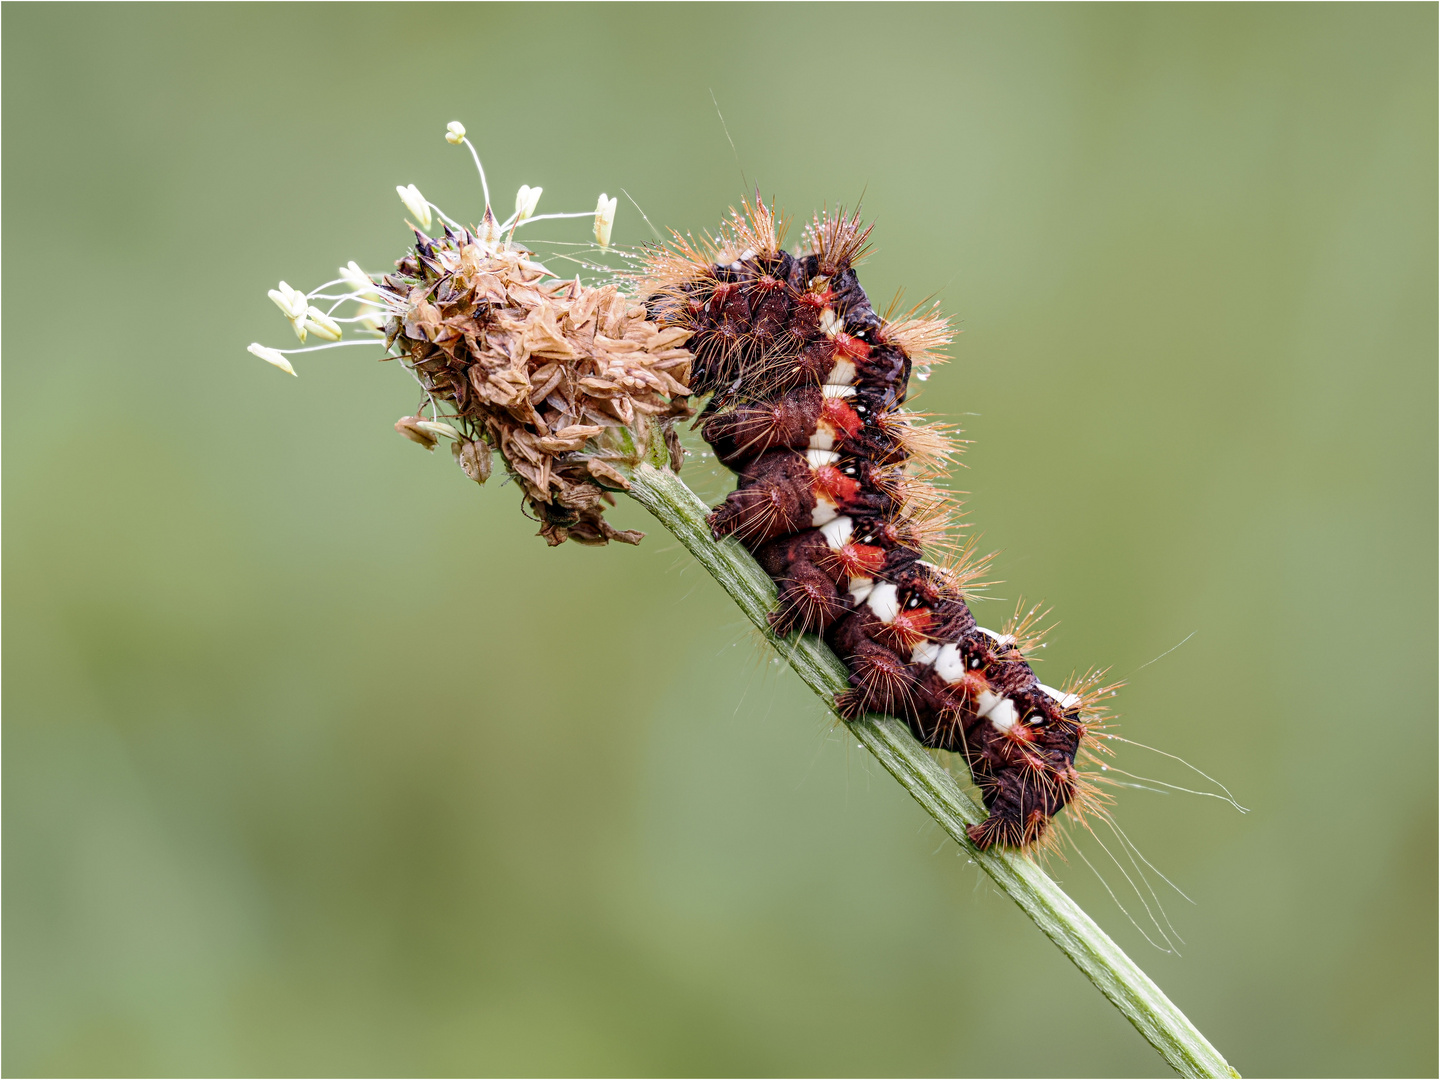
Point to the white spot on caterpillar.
(860, 588)
(986, 700)
(830, 322)
(824, 511)
(950, 665)
(884, 601)
(824, 437)
(926, 652)
(817, 458)
(1067, 701)
(1003, 715)
(837, 391)
(1005, 641)
(837, 533)
(843, 373)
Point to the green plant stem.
(1164, 1026)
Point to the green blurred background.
(317, 761)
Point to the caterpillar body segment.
(806, 386)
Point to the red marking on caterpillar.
(807, 385)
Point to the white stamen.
(837, 533)
(438, 429)
(604, 220)
(416, 204)
(819, 458)
(454, 132)
(357, 279)
(475, 156)
(884, 602)
(291, 301)
(526, 199)
(271, 356)
(372, 319)
(322, 325)
(294, 304)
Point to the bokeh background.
(317, 761)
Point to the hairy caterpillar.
(808, 385)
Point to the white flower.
(455, 133)
(271, 356)
(439, 430)
(415, 203)
(291, 301)
(604, 220)
(357, 279)
(322, 325)
(526, 199)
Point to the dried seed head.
(570, 384)
(545, 371)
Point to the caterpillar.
(834, 497)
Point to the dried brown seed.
(473, 457)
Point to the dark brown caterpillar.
(807, 386)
